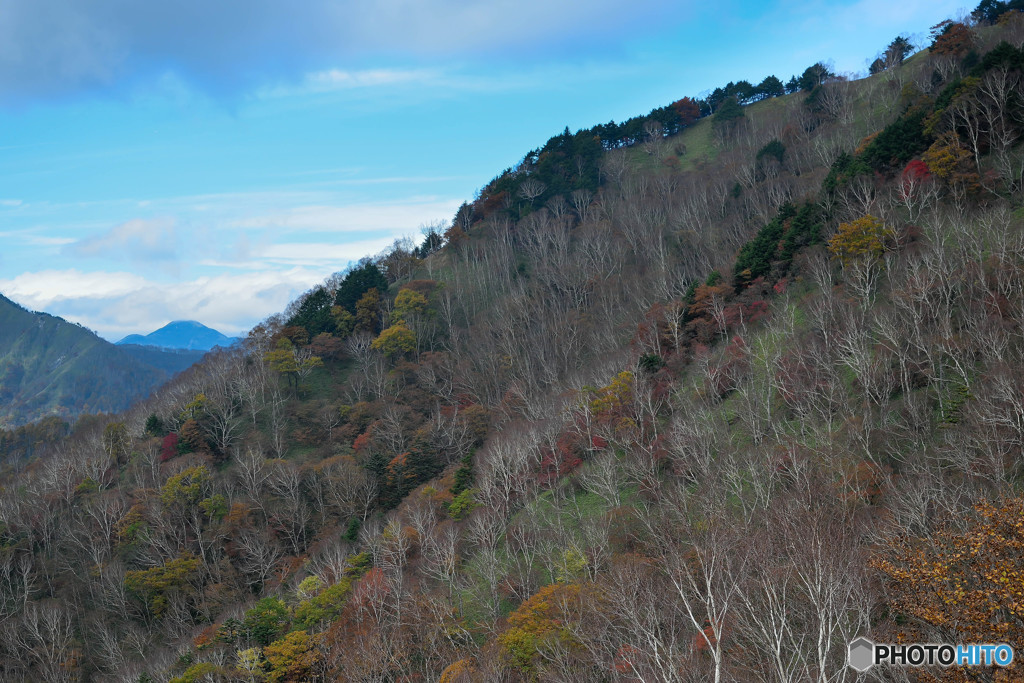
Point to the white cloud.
(41, 289)
(395, 217)
(117, 303)
(137, 239)
(324, 253)
(332, 80)
(439, 81)
(40, 241)
(31, 237)
(10, 202)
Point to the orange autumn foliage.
(960, 586)
(460, 671)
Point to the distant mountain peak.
(52, 368)
(182, 334)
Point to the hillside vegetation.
(690, 403)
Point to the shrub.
(266, 620)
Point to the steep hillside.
(680, 399)
(49, 367)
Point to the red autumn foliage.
(327, 346)
(951, 38)
(624, 659)
(566, 456)
(652, 332)
(915, 170)
(704, 642)
(455, 236)
(362, 441)
(485, 206)
(913, 176)
(168, 447)
(739, 313)
(373, 588)
(687, 109)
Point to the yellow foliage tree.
(291, 362)
(157, 584)
(947, 156)
(250, 665)
(395, 340)
(864, 238)
(460, 671)
(540, 622)
(408, 304)
(292, 658)
(614, 397)
(611, 407)
(187, 487)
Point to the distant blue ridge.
(182, 334)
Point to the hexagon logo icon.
(862, 654)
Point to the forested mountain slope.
(687, 407)
(50, 367)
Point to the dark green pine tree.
(357, 282)
(770, 87)
(314, 313)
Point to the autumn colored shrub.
(705, 316)
(611, 401)
(408, 304)
(187, 487)
(192, 436)
(459, 671)
(395, 340)
(947, 156)
(130, 527)
(914, 174)
(687, 109)
(540, 622)
(291, 659)
(951, 38)
(197, 672)
(157, 584)
(168, 447)
(326, 605)
(864, 238)
(291, 361)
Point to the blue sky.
(211, 161)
